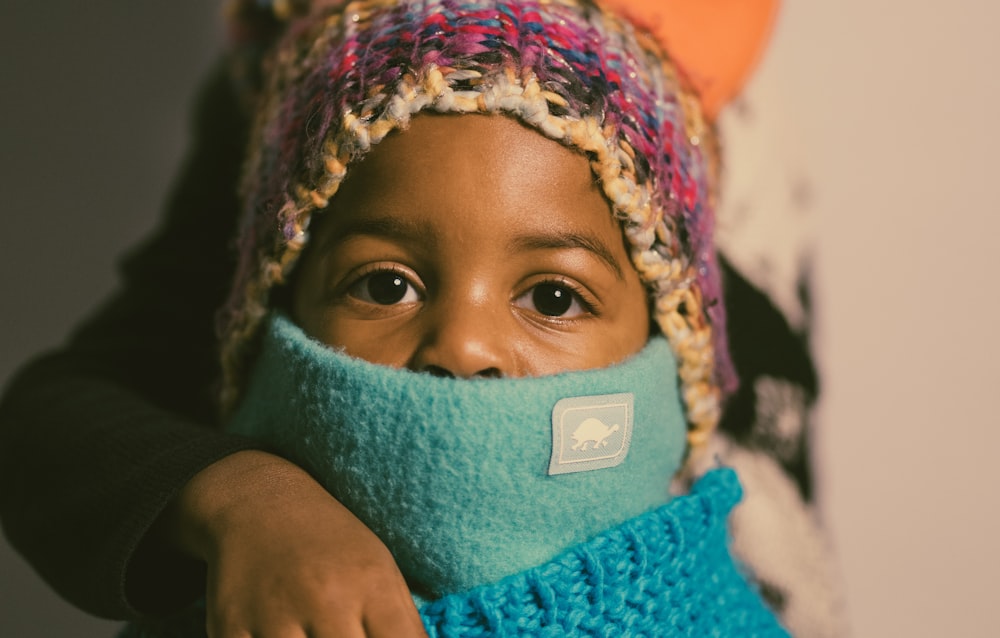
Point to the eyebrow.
(396, 228)
(380, 226)
(558, 240)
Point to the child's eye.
(385, 288)
(553, 300)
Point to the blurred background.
(875, 118)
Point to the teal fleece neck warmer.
(469, 481)
(506, 500)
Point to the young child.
(478, 302)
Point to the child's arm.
(284, 556)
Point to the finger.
(226, 625)
(337, 628)
(221, 629)
(388, 617)
(258, 622)
(395, 626)
(396, 617)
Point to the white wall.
(893, 108)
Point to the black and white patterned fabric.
(765, 433)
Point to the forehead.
(472, 153)
(457, 167)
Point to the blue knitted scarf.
(514, 507)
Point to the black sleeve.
(96, 437)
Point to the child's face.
(469, 246)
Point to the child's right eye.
(556, 299)
(385, 288)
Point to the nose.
(464, 340)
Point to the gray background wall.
(888, 108)
(93, 103)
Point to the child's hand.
(285, 558)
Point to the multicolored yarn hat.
(343, 75)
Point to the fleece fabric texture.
(667, 573)
(452, 474)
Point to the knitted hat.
(342, 75)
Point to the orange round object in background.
(716, 43)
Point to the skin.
(488, 230)
(467, 246)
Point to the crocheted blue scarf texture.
(511, 512)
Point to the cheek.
(630, 330)
(386, 342)
(384, 346)
(635, 331)
(307, 297)
(614, 337)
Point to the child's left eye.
(553, 300)
(385, 288)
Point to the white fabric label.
(591, 433)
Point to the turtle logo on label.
(591, 433)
